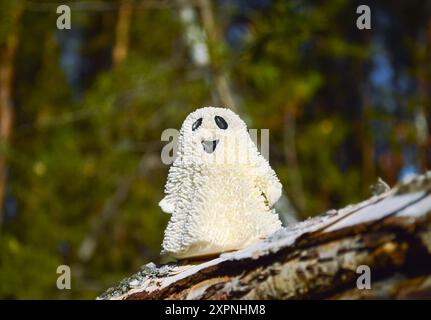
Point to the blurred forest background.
(82, 111)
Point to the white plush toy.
(220, 189)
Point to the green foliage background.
(301, 71)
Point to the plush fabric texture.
(220, 189)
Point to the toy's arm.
(267, 181)
(167, 204)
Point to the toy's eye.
(221, 123)
(197, 124)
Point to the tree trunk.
(221, 81)
(7, 54)
(386, 238)
(295, 185)
(121, 46)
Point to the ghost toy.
(220, 189)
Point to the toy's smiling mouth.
(210, 146)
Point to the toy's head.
(214, 135)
